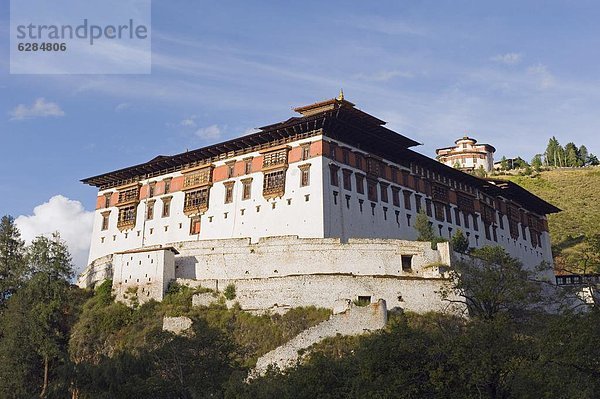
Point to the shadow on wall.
(185, 267)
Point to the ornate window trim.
(228, 191)
(275, 158)
(246, 188)
(128, 195)
(304, 174)
(105, 220)
(127, 217)
(166, 208)
(274, 183)
(150, 209)
(198, 177)
(196, 201)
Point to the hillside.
(575, 191)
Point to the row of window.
(194, 220)
(197, 200)
(578, 279)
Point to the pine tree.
(536, 162)
(583, 155)
(34, 326)
(555, 153)
(12, 262)
(572, 158)
(423, 227)
(459, 242)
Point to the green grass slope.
(577, 193)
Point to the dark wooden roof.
(338, 119)
(341, 114)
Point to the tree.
(423, 227)
(583, 154)
(12, 258)
(504, 163)
(555, 153)
(593, 160)
(37, 320)
(572, 158)
(459, 242)
(536, 162)
(491, 283)
(519, 163)
(480, 172)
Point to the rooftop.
(336, 118)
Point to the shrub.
(229, 292)
(459, 242)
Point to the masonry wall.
(144, 274)
(290, 255)
(283, 293)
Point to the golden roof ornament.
(340, 96)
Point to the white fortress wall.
(299, 211)
(346, 217)
(146, 272)
(290, 255)
(283, 293)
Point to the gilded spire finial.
(340, 97)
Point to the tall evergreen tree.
(34, 327)
(12, 258)
(583, 154)
(572, 155)
(423, 227)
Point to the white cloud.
(545, 78)
(40, 108)
(66, 216)
(211, 132)
(189, 122)
(508, 58)
(122, 107)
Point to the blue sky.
(509, 73)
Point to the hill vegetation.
(575, 191)
(58, 341)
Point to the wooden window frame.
(246, 189)
(304, 175)
(228, 192)
(166, 208)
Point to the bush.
(229, 292)
(459, 242)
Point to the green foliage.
(12, 259)
(361, 302)
(423, 227)
(580, 204)
(198, 365)
(459, 242)
(536, 162)
(491, 282)
(229, 292)
(480, 172)
(35, 327)
(504, 163)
